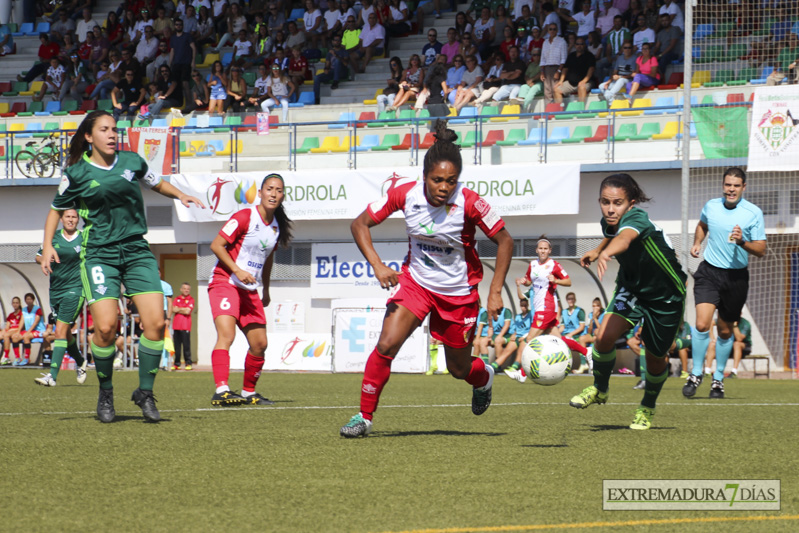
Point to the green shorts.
(130, 262)
(495, 335)
(66, 305)
(683, 342)
(662, 319)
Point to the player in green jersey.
(66, 297)
(650, 285)
(101, 183)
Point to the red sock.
(220, 362)
(16, 351)
(375, 377)
(252, 371)
(574, 345)
(478, 375)
(27, 349)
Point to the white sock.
(223, 388)
(247, 393)
(735, 371)
(708, 370)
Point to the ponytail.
(284, 224)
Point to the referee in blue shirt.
(734, 228)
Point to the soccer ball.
(547, 360)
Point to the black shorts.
(725, 288)
(747, 350)
(182, 72)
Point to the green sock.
(149, 359)
(603, 368)
(59, 349)
(74, 352)
(516, 365)
(104, 364)
(642, 359)
(495, 366)
(652, 388)
(484, 357)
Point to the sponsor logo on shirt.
(230, 227)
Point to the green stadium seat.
(385, 115)
(307, 144)
(389, 140)
(647, 131)
(404, 116)
(66, 107)
(579, 134)
(722, 29)
(597, 105)
(736, 51)
(105, 105)
(489, 111)
(468, 141)
(572, 106)
(48, 127)
(626, 131)
(36, 107)
(514, 136)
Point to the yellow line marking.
(626, 523)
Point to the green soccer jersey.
(108, 199)
(648, 268)
(66, 274)
(746, 330)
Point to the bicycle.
(39, 162)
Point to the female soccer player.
(13, 326)
(66, 297)
(650, 285)
(103, 181)
(439, 277)
(245, 249)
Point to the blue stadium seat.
(367, 143)
(465, 116)
(30, 128)
(25, 28)
(536, 136)
(306, 98)
(296, 14)
(159, 123)
(211, 148)
(227, 59)
(558, 134)
(763, 75)
(52, 107)
(703, 30)
(344, 116)
(42, 27)
(662, 101)
(692, 130)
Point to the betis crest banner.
(773, 136)
(325, 194)
(155, 146)
(722, 131)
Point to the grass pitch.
(530, 462)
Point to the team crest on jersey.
(128, 174)
(450, 208)
(101, 290)
(77, 249)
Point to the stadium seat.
(184, 150)
(514, 136)
(736, 98)
(647, 131)
(208, 60)
(249, 78)
(691, 130)
(493, 136)
(229, 145)
(669, 131)
(177, 122)
(30, 127)
(42, 27)
(328, 143)
(465, 116)
(16, 88)
(558, 134)
(625, 132)
(296, 14)
(209, 148)
(4, 107)
(601, 135)
(467, 141)
(227, 59)
(536, 136)
(621, 103)
(71, 127)
(5, 87)
(405, 115)
(723, 29)
(346, 119)
(712, 54)
(662, 101)
(26, 28)
(15, 151)
(700, 77)
(553, 107)
(384, 115)
(675, 80)
(68, 107)
(489, 111)
(637, 104)
(373, 101)
(736, 51)
(408, 142)
(507, 110)
(572, 106)
(48, 128)
(34, 89)
(597, 106)
(123, 124)
(364, 117)
(389, 140)
(703, 30)
(307, 144)
(367, 143)
(579, 134)
(428, 141)
(105, 105)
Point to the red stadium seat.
(18, 107)
(736, 98)
(428, 141)
(600, 135)
(493, 136)
(407, 141)
(364, 117)
(675, 80)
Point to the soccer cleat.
(626, 371)
(46, 380)
(431, 371)
(146, 400)
(517, 374)
(716, 390)
(118, 362)
(81, 370)
(731, 375)
(481, 396)
(590, 395)
(105, 405)
(640, 385)
(691, 385)
(175, 367)
(5, 361)
(187, 367)
(684, 375)
(257, 399)
(227, 399)
(643, 418)
(583, 369)
(358, 426)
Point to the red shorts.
(229, 300)
(544, 320)
(452, 318)
(35, 334)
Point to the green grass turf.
(529, 460)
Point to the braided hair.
(443, 149)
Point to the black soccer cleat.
(691, 385)
(716, 390)
(146, 400)
(227, 399)
(481, 396)
(257, 399)
(105, 406)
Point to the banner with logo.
(155, 146)
(357, 326)
(288, 316)
(773, 136)
(344, 194)
(305, 352)
(339, 268)
(720, 131)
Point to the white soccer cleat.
(46, 380)
(517, 374)
(81, 370)
(118, 362)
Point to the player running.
(105, 183)
(650, 285)
(13, 326)
(439, 277)
(66, 297)
(735, 229)
(245, 249)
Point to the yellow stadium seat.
(4, 107)
(640, 103)
(617, 104)
(35, 87)
(373, 101)
(177, 122)
(328, 144)
(345, 144)
(208, 60)
(16, 126)
(700, 77)
(507, 110)
(227, 149)
(670, 131)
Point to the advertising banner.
(155, 146)
(309, 352)
(339, 268)
(772, 137)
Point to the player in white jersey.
(439, 277)
(245, 250)
(543, 276)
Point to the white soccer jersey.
(250, 241)
(543, 290)
(441, 256)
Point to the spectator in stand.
(484, 31)
(182, 55)
(615, 38)
(631, 16)
(667, 42)
(47, 50)
(548, 17)
(571, 42)
(351, 37)
(526, 20)
(622, 74)
(190, 23)
(577, 74)
(280, 90)
(565, 8)
(345, 12)
(243, 50)
(652, 13)
(553, 57)
(671, 9)
(604, 23)
(594, 320)
(314, 24)
(170, 89)
(432, 7)
(161, 59)
(522, 41)
(281, 59)
(392, 85)
(336, 64)
(399, 22)
(298, 69)
(454, 78)
(432, 47)
(492, 81)
(217, 83)
(646, 72)
(147, 48)
(742, 344)
(533, 86)
(276, 20)
(199, 97)
(585, 19)
(128, 95)
(182, 309)
(332, 25)
(6, 41)
(129, 29)
(221, 9)
(85, 25)
(437, 90)
(462, 25)
(367, 7)
(372, 39)
(501, 21)
(468, 48)
(85, 50)
(410, 84)
(99, 49)
(162, 26)
(63, 26)
(518, 9)
(128, 61)
(450, 48)
(643, 34)
(261, 87)
(236, 92)
(205, 29)
(512, 76)
(53, 80)
(76, 80)
(68, 48)
(508, 40)
(536, 39)
(594, 44)
(294, 38)
(471, 83)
